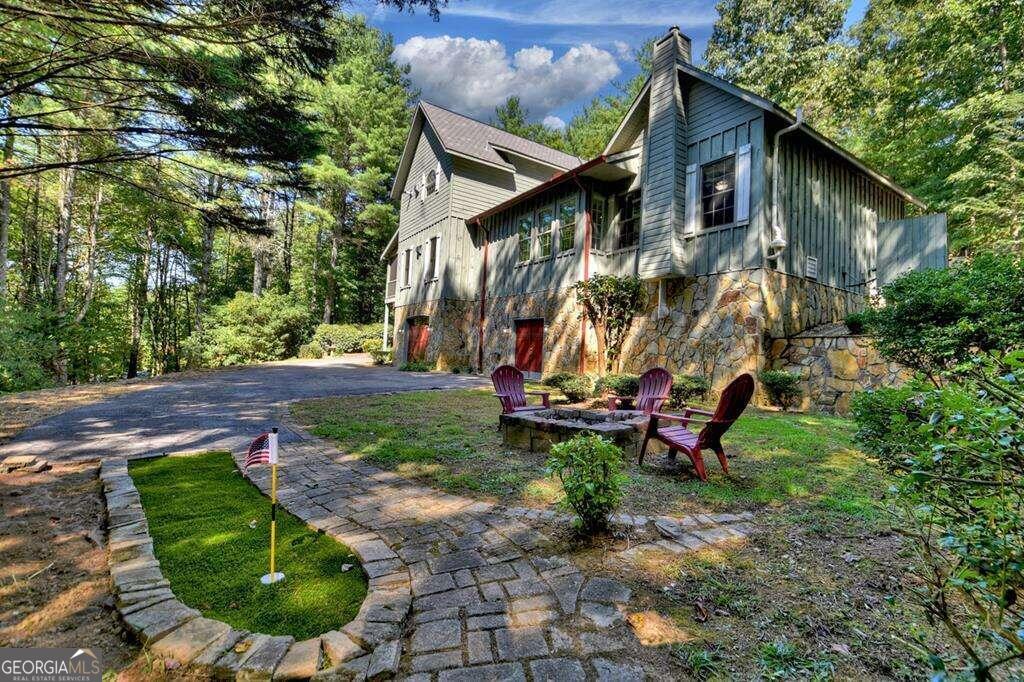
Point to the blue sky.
(555, 54)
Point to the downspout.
(587, 237)
(778, 243)
(483, 301)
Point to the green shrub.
(248, 329)
(855, 322)
(619, 384)
(957, 456)
(372, 345)
(590, 470)
(310, 351)
(337, 339)
(558, 378)
(577, 387)
(688, 388)
(939, 320)
(25, 349)
(383, 357)
(417, 366)
(782, 387)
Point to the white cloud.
(623, 49)
(473, 76)
(690, 14)
(554, 123)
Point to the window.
(629, 220)
(430, 272)
(407, 268)
(545, 217)
(718, 192)
(431, 182)
(567, 228)
(598, 220)
(525, 230)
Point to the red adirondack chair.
(509, 388)
(655, 388)
(680, 439)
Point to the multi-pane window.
(598, 219)
(431, 270)
(629, 220)
(431, 182)
(525, 230)
(545, 217)
(718, 192)
(567, 229)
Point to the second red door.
(529, 345)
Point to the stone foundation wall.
(833, 368)
(562, 327)
(452, 332)
(714, 327)
(794, 304)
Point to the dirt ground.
(54, 584)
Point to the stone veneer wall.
(452, 332)
(714, 327)
(796, 304)
(834, 366)
(562, 326)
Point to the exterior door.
(529, 346)
(419, 337)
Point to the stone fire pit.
(536, 431)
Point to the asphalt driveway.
(213, 410)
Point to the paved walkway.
(461, 589)
(211, 410)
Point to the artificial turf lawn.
(199, 510)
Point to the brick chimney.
(664, 187)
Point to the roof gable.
(470, 139)
(636, 118)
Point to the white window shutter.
(423, 186)
(692, 197)
(439, 174)
(427, 262)
(743, 184)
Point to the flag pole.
(273, 576)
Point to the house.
(747, 226)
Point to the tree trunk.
(5, 211)
(140, 287)
(289, 239)
(31, 257)
(65, 224)
(331, 288)
(602, 355)
(213, 189)
(90, 268)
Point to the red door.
(529, 345)
(419, 337)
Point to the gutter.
(560, 178)
(778, 243)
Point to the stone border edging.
(171, 629)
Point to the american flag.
(259, 451)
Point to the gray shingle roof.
(464, 136)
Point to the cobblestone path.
(462, 589)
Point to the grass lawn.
(211, 532)
(450, 439)
(815, 594)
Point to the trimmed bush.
(375, 349)
(577, 387)
(590, 471)
(782, 387)
(337, 339)
(311, 351)
(855, 322)
(688, 388)
(558, 378)
(619, 384)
